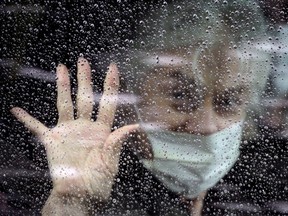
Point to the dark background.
(40, 34)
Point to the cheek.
(158, 109)
(226, 121)
(161, 112)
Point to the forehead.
(221, 69)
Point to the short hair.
(189, 22)
(203, 25)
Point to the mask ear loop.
(138, 115)
(195, 205)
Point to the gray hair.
(189, 22)
(202, 25)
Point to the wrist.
(88, 185)
(99, 185)
(59, 204)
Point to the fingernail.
(136, 128)
(82, 61)
(15, 110)
(59, 65)
(81, 58)
(112, 66)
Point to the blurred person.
(275, 100)
(274, 128)
(195, 70)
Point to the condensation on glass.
(144, 108)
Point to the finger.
(85, 92)
(113, 144)
(108, 102)
(31, 123)
(64, 101)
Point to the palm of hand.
(83, 155)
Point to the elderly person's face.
(179, 97)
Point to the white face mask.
(190, 164)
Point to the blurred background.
(37, 35)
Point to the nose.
(204, 121)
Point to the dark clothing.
(138, 192)
(256, 185)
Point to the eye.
(184, 100)
(227, 103)
(178, 94)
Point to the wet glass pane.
(144, 108)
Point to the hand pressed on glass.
(83, 155)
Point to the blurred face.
(200, 100)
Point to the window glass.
(144, 108)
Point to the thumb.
(35, 126)
(113, 144)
